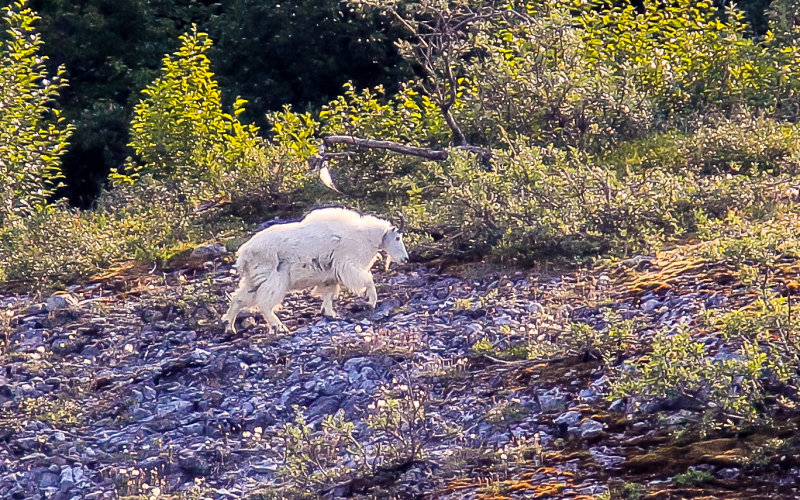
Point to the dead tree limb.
(319, 162)
(430, 154)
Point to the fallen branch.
(319, 162)
(430, 154)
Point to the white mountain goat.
(327, 248)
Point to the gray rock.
(27, 443)
(248, 323)
(326, 405)
(48, 480)
(5, 394)
(617, 405)
(569, 418)
(152, 463)
(588, 395)
(149, 393)
(728, 473)
(191, 464)
(650, 305)
(78, 474)
(354, 364)
(552, 401)
(60, 300)
(195, 428)
(590, 428)
(605, 456)
(67, 479)
(208, 251)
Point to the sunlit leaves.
(180, 131)
(33, 136)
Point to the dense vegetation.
(573, 130)
(271, 53)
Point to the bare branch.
(430, 154)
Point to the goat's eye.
(397, 238)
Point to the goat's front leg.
(359, 281)
(372, 293)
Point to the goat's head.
(394, 246)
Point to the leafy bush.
(313, 456)
(743, 145)
(33, 136)
(193, 153)
(687, 60)
(182, 135)
(407, 117)
(730, 391)
(536, 82)
(59, 245)
(692, 477)
(531, 201)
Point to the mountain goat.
(327, 248)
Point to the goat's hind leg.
(243, 298)
(269, 295)
(329, 293)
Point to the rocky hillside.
(128, 387)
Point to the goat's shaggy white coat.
(327, 248)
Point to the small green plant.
(62, 412)
(463, 304)
(693, 477)
(485, 346)
(729, 392)
(633, 491)
(401, 422)
(507, 413)
(179, 130)
(314, 457)
(608, 343)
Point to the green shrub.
(729, 391)
(687, 60)
(534, 81)
(743, 145)
(692, 477)
(607, 342)
(58, 244)
(181, 133)
(33, 136)
(529, 202)
(408, 117)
